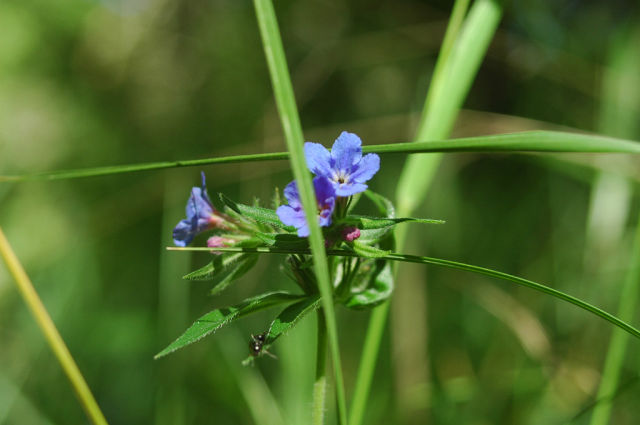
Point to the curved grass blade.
(219, 317)
(527, 141)
(460, 266)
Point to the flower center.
(341, 177)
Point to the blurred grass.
(87, 83)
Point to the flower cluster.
(339, 174)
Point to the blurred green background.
(87, 83)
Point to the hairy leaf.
(367, 251)
(364, 222)
(219, 317)
(290, 317)
(224, 269)
(284, 240)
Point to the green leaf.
(290, 317)
(216, 200)
(263, 215)
(283, 240)
(216, 267)
(224, 269)
(219, 317)
(229, 203)
(386, 208)
(378, 288)
(367, 251)
(233, 273)
(364, 222)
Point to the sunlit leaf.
(364, 222)
(219, 317)
(290, 317)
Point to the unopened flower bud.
(350, 233)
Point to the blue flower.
(201, 216)
(293, 215)
(345, 166)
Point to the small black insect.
(256, 345)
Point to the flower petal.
(203, 191)
(197, 205)
(366, 168)
(183, 233)
(290, 216)
(323, 188)
(348, 189)
(318, 159)
(303, 231)
(292, 195)
(346, 151)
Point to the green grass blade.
(131, 168)
(618, 344)
(618, 116)
(51, 333)
(446, 99)
(526, 141)
(287, 109)
(453, 265)
(520, 281)
(451, 80)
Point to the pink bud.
(217, 242)
(350, 233)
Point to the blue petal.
(291, 216)
(318, 159)
(203, 191)
(366, 168)
(346, 151)
(197, 206)
(323, 188)
(324, 219)
(303, 231)
(348, 189)
(183, 233)
(292, 195)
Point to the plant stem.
(50, 332)
(286, 103)
(320, 384)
